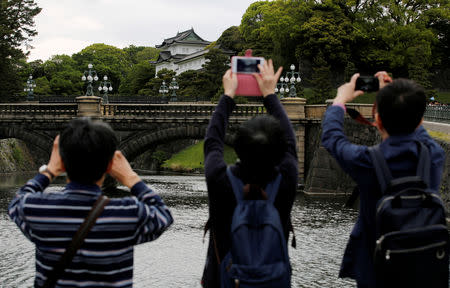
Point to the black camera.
(367, 84)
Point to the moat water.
(176, 259)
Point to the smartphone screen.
(367, 84)
(248, 65)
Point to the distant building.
(185, 51)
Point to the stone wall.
(16, 156)
(445, 182)
(325, 177)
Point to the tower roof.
(187, 37)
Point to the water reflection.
(176, 259)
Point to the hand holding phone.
(367, 84)
(244, 67)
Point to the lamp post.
(163, 90)
(291, 77)
(29, 87)
(281, 89)
(174, 87)
(105, 86)
(89, 76)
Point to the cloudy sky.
(67, 26)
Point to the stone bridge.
(140, 126)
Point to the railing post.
(294, 107)
(89, 106)
(295, 110)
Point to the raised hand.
(230, 83)
(346, 92)
(267, 79)
(121, 170)
(55, 164)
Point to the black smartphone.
(367, 84)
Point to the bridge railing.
(32, 110)
(175, 110)
(438, 113)
(318, 110)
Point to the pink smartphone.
(244, 67)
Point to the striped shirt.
(106, 258)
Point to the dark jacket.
(401, 154)
(221, 198)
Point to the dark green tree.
(16, 30)
(151, 88)
(251, 30)
(138, 75)
(107, 60)
(63, 76)
(216, 65)
(231, 39)
(321, 81)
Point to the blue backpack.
(412, 238)
(258, 255)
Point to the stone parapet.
(89, 106)
(294, 107)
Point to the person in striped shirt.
(86, 151)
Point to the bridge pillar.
(89, 106)
(295, 110)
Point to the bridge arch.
(141, 142)
(36, 139)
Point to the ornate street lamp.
(281, 89)
(89, 76)
(163, 90)
(291, 77)
(29, 87)
(174, 87)
(105, 86)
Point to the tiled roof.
(188, 37)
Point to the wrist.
(131, 180)
(339, 101)
(229, 94)
(45, 170)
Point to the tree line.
(327, 40)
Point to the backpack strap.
(423, 167)
(236, 185)
(384, 175)
(272, 188)
(382, 171)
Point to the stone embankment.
(326, 178)
(16, 156)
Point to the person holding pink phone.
(266, 148)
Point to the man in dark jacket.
(400, 108)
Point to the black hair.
(86, 148)
(260, 145)
(401, 105)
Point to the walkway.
(436, 126)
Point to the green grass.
(443, 97)
(439, 135)
(191, 158)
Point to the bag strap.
(237, 187)
(384, 175)
(382, 171)
(77, 241)
(423, 167)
